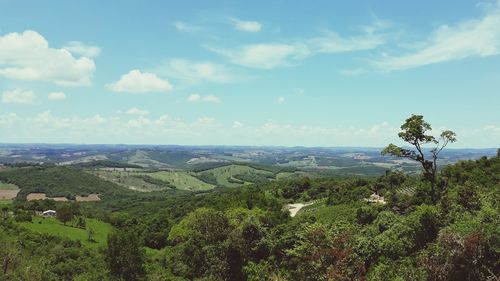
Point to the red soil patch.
(8, 194)
(42, 196)
(90, 198)
(36, 196)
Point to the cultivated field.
(225, 176)
(89, 198)
(181, 180)
(8, 191)
(127, 179)
(43, 196)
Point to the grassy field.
(181, 180)
(291, 175)
(126, 179)
(224, 174)
(5, 203)
(54, 227)
(8, 186)
(235, 175)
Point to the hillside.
(59, 181)
(246, 233)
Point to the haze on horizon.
(238, 73)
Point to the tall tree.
(65, 214)
(414, 132)
(124, 256)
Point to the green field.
(54, 227)
(181, 180)
(223, 175)
(235, 175)
(126, 179)
(5, 203)
(328, 214)
(8, 186)
(289, 175)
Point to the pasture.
(54, 227)
(225, 175)
(181, 180)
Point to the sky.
(282, 73)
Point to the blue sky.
(322, 73)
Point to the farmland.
(181, 180)
(8, 191)
(52, 226)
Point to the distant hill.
(59, 181)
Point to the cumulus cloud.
(194, 98)
(248, 26)
(465, 39)
(198, 98)
(198, 71)
(27, 56)
(137, 111)
(47, 127)
(56, 96)
(266, 56)
(79, 48)
(140, 82)
(18, 96)
(280, 100)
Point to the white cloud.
(56, 96)
(197, 98)
(46, 127)
(136, 111)
(331, 42)
(197, 71)
(140, 82)
(470, 38)
(248, 26)
(182, 26)
(266, 56)
(27, 56)
(280, 100)
(194, 98)
(271, 55)
(18, 96)
(212, 99)
(237, 124)
(79, 48)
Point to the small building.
(49, 213)
(375, 198)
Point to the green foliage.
(244, 233)
(67, 212)
(98, 164)
(413, 132)
(58, 181)
(124, 256)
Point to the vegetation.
(58, 181)
(414, 132)
(181, 180)
(246, 233)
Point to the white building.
(49, 213)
